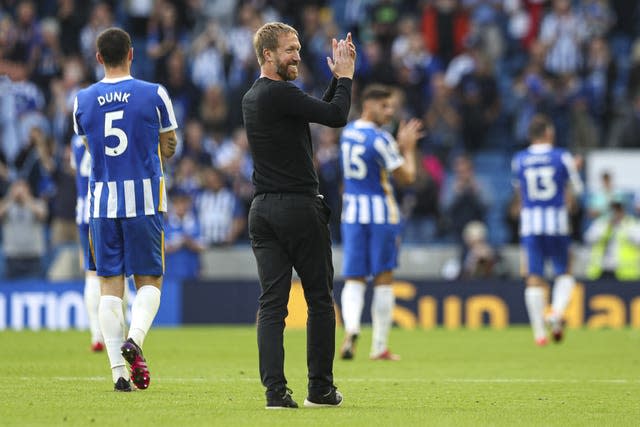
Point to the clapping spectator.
(23, 219)
(182, 242)
(220, 213)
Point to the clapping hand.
(342, 64)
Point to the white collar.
(116, 79)
(540, 148)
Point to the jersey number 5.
(353, 165)
(110, 130)
(540, 183)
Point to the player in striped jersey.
(370, 215)
(542, 173)
(81, 164)
(129, 126)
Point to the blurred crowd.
(475, 71)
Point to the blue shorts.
(83, 233)
(369, 249)
(540, 248)
(127, 245)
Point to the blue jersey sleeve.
(77, 128)
(165, 111)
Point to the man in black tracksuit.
(288, 219)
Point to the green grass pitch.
(208, 376)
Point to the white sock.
(534, 300)
(112, 326)
(561, 295)
(382, 317)
(143, 311)
(352, 299)
(91, 302)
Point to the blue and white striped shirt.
(121, 120)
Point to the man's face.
(287, 57)
(381, 110)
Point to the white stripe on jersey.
(359, 209)
(75, 110)
(550, 225)
(97, 193)
(148, 197)
(377, 202)
(547, 221)
(349, 208)
(167, 104)
(364, 213)
(112, 200)
(129, 198)
(163, 196)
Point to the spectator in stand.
(165, 35)
(624, 133)
(221, 216)
(187, 176)
(182, 242)
(70, 16)
(47, 56)
(465, 199)
(442, 120)
(479, 103)
(183, 93)
(478, 259)
(512, 218)
(196, 144)
(23, 219)
(600, 199)
(208, 52)
(419, 202)
(562, 32)
(99, 20)
(445, 26)
(615, 245)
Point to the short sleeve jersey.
(542, 173)
(81, 162)
(121, 120)
(369, 155)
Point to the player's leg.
(144, 258)
(105, 243)
(92, 302)
(534, 296)
(562, 287)
(384, 258)
(91, 290)
(354, 269)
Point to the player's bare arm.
(168, 143)
(408, 135)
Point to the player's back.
(368, 157)
(122, 120)
(543, 172)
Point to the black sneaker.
(280, 399)
(332, 399)
(348, 349)
(122, 385)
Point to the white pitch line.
(373, 380)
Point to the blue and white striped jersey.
(121, 120)
(81, 163)
(542, 173)
(369, 155)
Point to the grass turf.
(208, 376)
